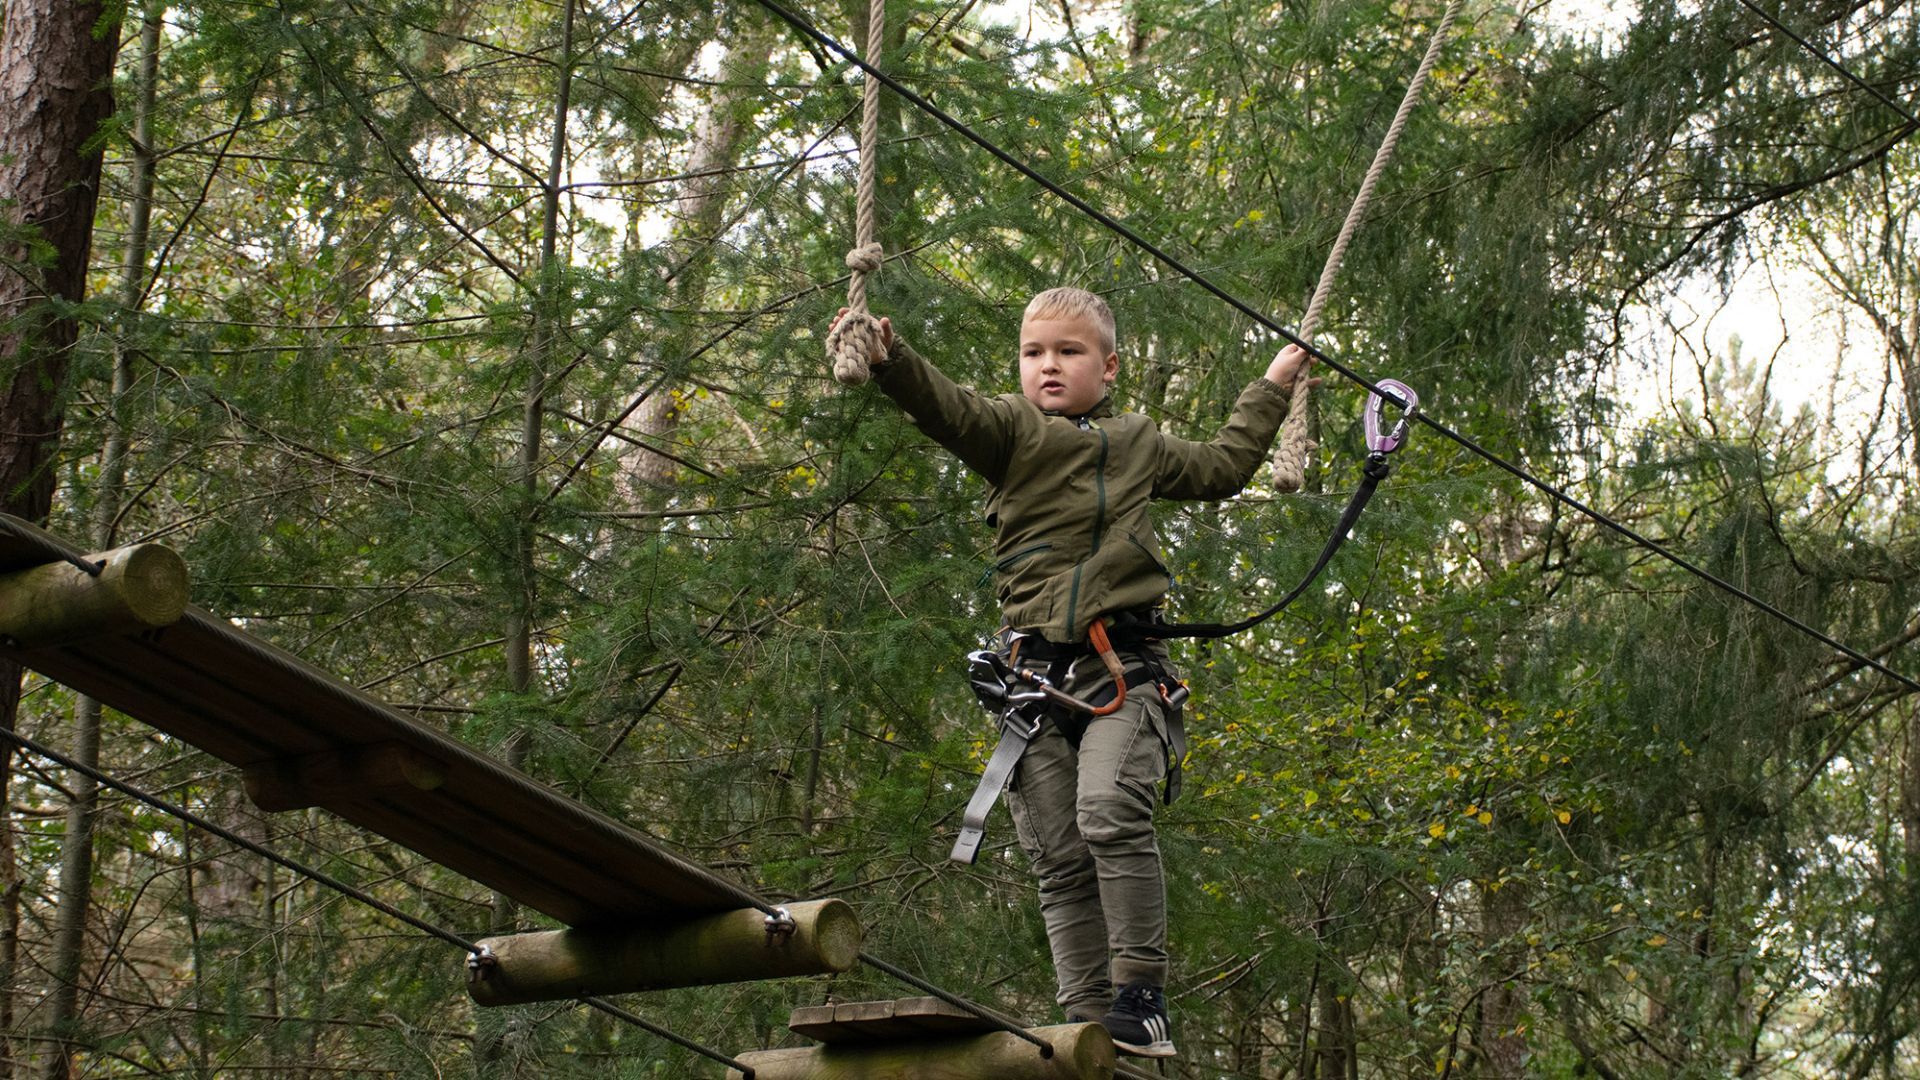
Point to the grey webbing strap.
(1176, 747)
(1014, 737)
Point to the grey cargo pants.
(1085, 817)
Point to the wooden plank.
(309, 735)
(1080, 1052)
(885, 1021)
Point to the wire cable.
(1831, 62)
(34, 538)
(1005, 1024)
(1261, 318)
(328, 880)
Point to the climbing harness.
(1026, 700)
(854, 340)
(1290, 453)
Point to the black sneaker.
(1138, 1022)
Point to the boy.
(1069, 483)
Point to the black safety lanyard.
(1380, 445)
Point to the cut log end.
(140, 587)
(156, 584)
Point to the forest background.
(471, 350)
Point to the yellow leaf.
(1437, 830)
(1310, 798)
(1486, 817)
(1256, 215)
(1657, 940)
(1564, 817)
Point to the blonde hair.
(1065, 301)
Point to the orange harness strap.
(1097, 635)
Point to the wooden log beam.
(357, 774)
(1080, 1052)
(735, 946)
(139, 587)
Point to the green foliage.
(1504, 790)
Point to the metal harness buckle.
(1017, 697)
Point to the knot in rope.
(852, 345)
(866, 259)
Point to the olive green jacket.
(1068, 496)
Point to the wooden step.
(928, 1039)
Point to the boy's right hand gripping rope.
(856, 339)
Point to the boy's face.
(1061, 369)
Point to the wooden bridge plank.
(885, 1021)
(213, 685)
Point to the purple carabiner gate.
(1409, 403)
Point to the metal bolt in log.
(1080, 1052)
(733, 947)
(140, 587)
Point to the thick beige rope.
(1290, 455)
(855, 338)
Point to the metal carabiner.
(1408, 403)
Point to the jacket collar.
(1101, 409)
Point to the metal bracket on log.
(923, 1038)
(139, 587)
(555, 965)
(364, 772)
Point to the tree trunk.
(1334, 1041)
(1503, 1049)
(1910, 383)
(698, 216)
(490, 1043)
(56, 71)
(76, 856)
(1910, 794)
(55, 92)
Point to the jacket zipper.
(1099, 524)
